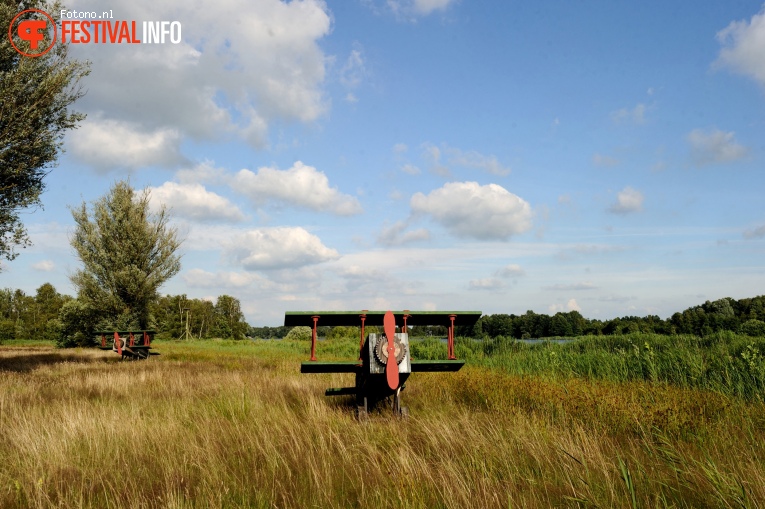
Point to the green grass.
(234, 424)
(725, 362)
(27, 342)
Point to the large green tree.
(127, 253)
(35, 99)
(229, 319)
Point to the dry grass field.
(225, 424)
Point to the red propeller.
(391, 367)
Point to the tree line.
(46, 314)
(745, 316)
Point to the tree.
(560, 326)
(229, 318)
(498, 325)
(127, 253)
(35, 95)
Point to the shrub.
(52, 330)
(7, 330)
(754, 328)
(300, 333)
(76, 319)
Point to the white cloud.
(475, 160)
(432, 153)
(512, 270)
(715, 146)
(588, 250)
(410, 169)
(489, 283)
(570, 287)
(225, 79)
(463, 159)
(193, 201)
(409, 10)
(208, 236)
(425, 7)
(467, 209)
(616, 298)
(44, 266)
(395, 235)
(635, 115)
(755, 233)
(400, 148)
(743, 47)
(198, 278)
(604, 160)
(301, 185)
(627, 201)
(353, 71)
(364, 283)
(204, 172)
(112, 144)
(49, 236)
(280, 248)
(571, 305)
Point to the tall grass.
(724, 362)
(227, 424)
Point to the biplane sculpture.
(384, 362)
(126, 345)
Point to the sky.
(604, 157)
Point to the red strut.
(363, 317)
(450, 346)
(313, 338)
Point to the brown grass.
(222, 425)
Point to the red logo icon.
(32, 30)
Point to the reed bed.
(227, 424)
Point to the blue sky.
(605, 157)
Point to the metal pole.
(363, 317)
(451, 338)
(313, 338)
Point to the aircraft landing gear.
(398, 410)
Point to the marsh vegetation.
(234, 424)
